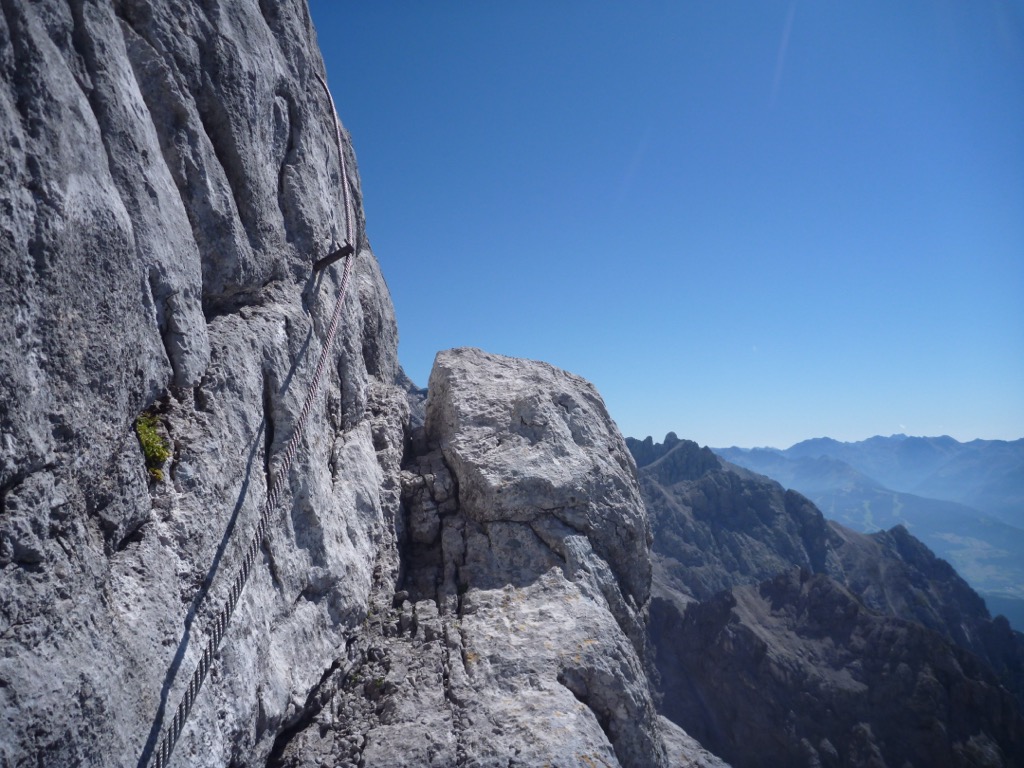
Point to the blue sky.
(748, 223)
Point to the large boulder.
(533, 446)
(518, 634)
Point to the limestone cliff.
(461, 576)
(171, 179)
(171, 176)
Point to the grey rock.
(534, 444)
(465, 584)
(524, 566)
(170, 178)
(684, 751)
(784, 639)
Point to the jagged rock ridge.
(784, 639)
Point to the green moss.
(154, 447)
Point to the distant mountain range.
(782, 638)
(964, 500)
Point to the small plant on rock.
(154, 447)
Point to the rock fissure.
(577, 686)
(268, 431)
(317, 699)
(552, 544)
(451, 697)
(290, 117)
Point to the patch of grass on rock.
(154, 447)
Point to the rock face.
(458, 582)
(171, 177)
(783, 639)
(718, 527)
(461, 577)
(796, 672)
(517, 637)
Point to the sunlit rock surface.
(517, 637)
(170, 177)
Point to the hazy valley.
(964, 500)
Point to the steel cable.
(162, 754)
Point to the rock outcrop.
(457, 577)
(783, 639)
(171, 176)
(518, 634)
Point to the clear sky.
(750, 223)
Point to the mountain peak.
(674, 460)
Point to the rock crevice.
(510, 639)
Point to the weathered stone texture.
(518, 635)
(170, 176)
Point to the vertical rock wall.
(170, 176)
